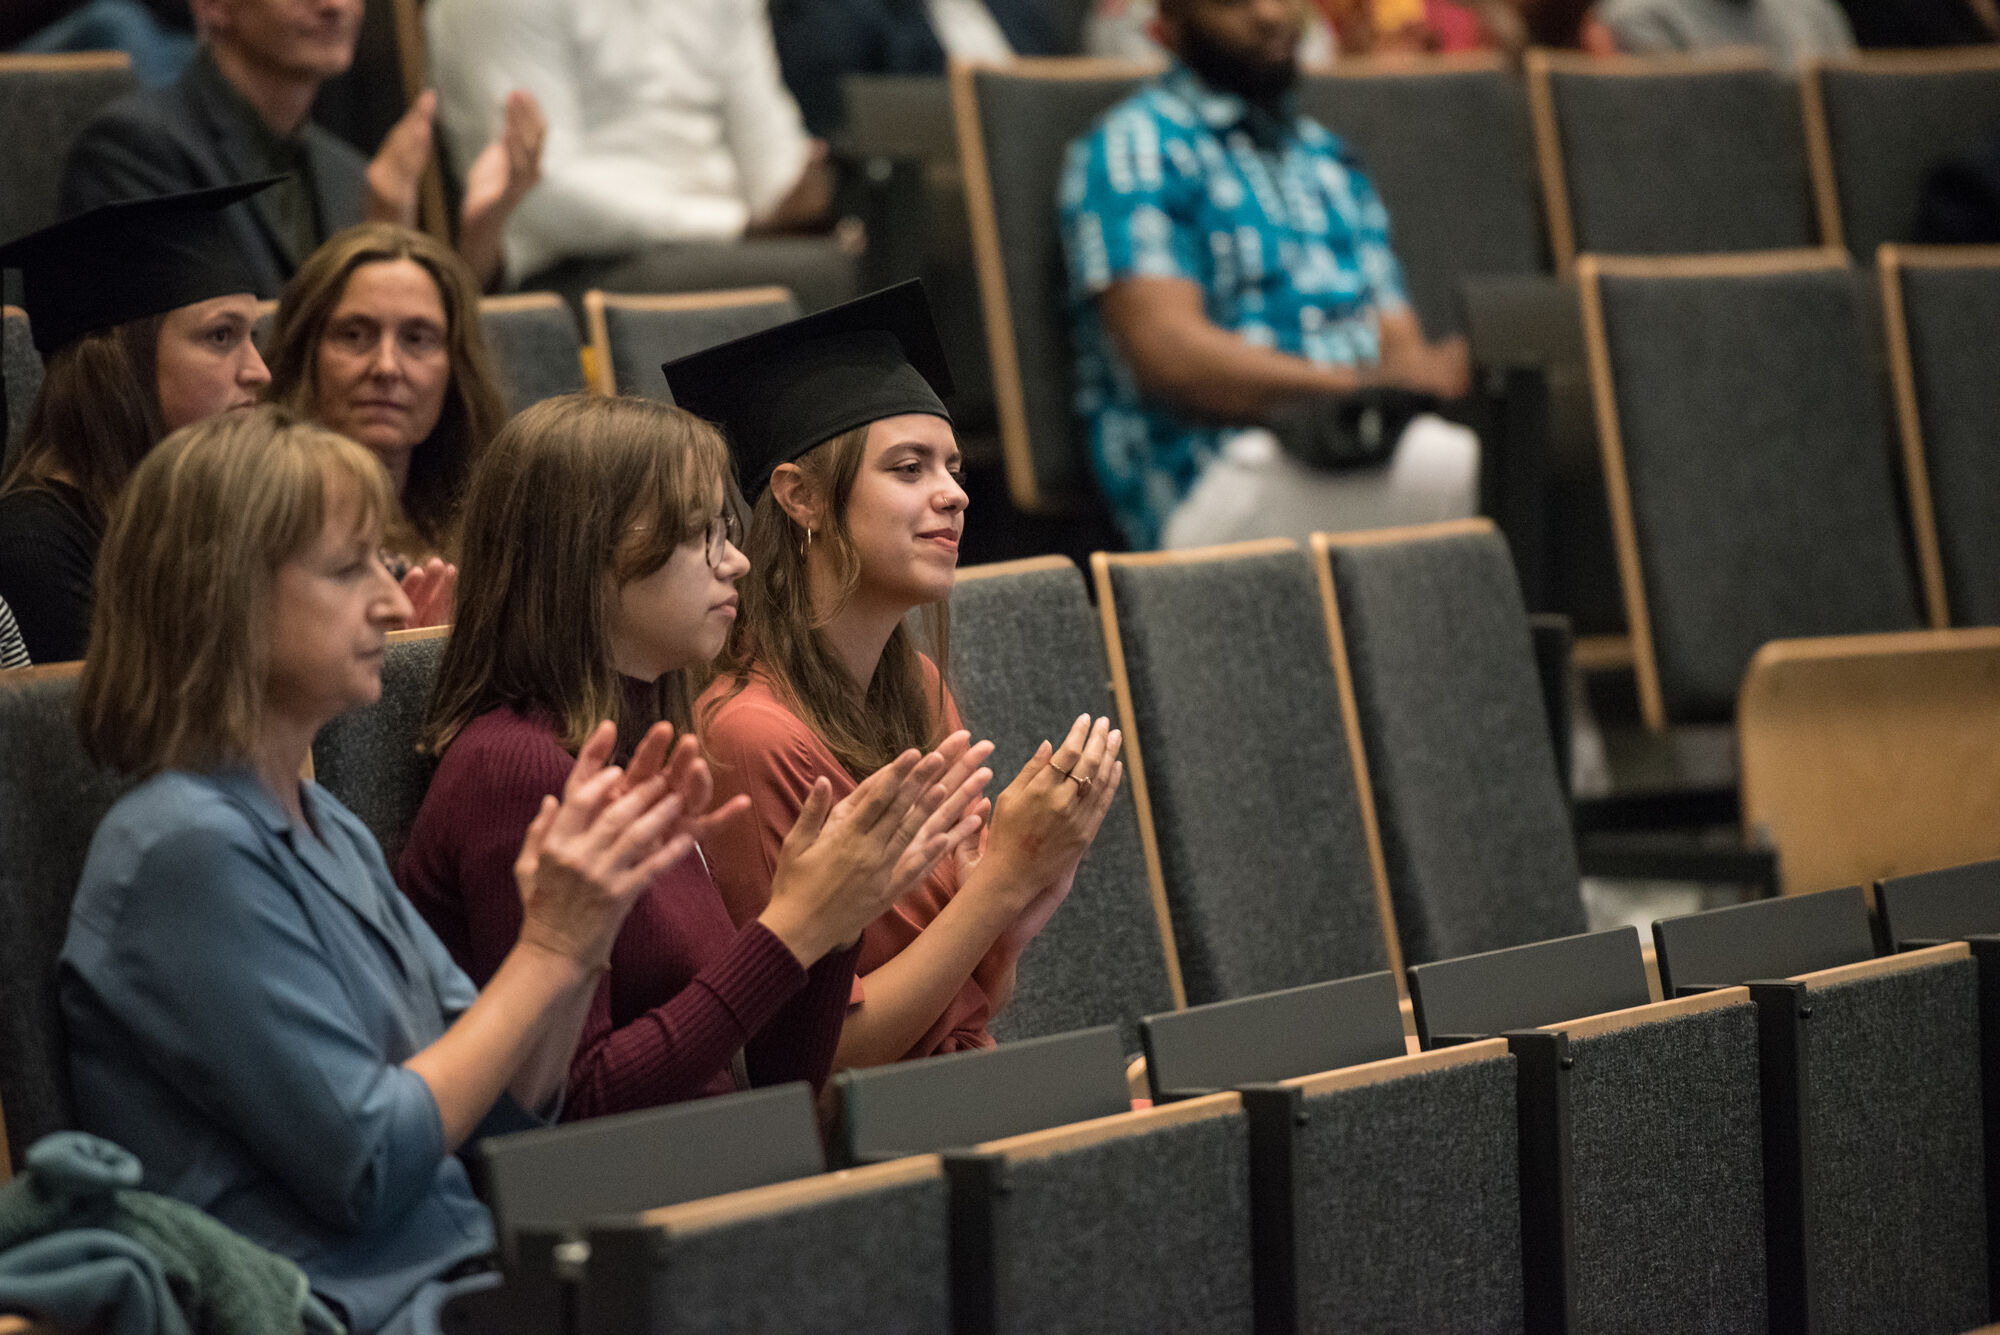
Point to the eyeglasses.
(724, 531)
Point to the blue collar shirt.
(1269, 214)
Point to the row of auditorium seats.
(1796, 1139)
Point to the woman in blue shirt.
(252, 1007)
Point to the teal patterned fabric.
(1270, 214)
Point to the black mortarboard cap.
(778, 393)
(129, 259)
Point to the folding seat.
(633, 334)
(1137, 1222)
(1027, 658)
(45, 101)
(1446, 141)
(534, 340)
(963, 1098)
(1746, 453)
(1642, 1163)
(1877, 122)
(1272, 1036)
(1468, 794)
(1242, 751)
(1875, 1187)
(1951, 904)
(1622, 174)
(1015, 123)
(52, 802)
(867, 1248)
(1941, 306)
(368, 758)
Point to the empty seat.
(1875, 1189)
(1941, 305)
(368, 758)
(1240, 748)
(1468, 792)
(1746, 453)
(533, 338)
(1642, 1169)
(1773, 938)
(1138, 1223)
(1877, 122)
(1015, 124)
(1526, 986)
(1623, 176)
(963, 1098)
(1028, 657)
(22, 367)
(1938, 906)
(1274, 1036)
(1447, 143)
(568, 1175)
(1869, 756)
(50, 808)
(1386, 1196)
(863, 1249)
(632, 334)
(45, 101)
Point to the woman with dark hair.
(599, 570)
(250, 1005)
(378, 337)
(846, 447)
(142, 313)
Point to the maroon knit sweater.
(686, 989)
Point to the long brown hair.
(781, 635)
(95, 416)
(577, 495)
(179, 634)
(474, 408)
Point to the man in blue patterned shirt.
(1230, 269)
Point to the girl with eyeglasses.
(600, 566)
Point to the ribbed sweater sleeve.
(459, 869)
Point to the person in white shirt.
(675, 157)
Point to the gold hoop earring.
(809, 539)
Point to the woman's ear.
(795, 496)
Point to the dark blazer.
(820, 41)
(190, 135)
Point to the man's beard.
(1259, 81)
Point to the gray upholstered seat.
(1468, 794)
(1876, 1194)
(1765, 938)
(635, 334)
(22, 366)
(1394, 1196)
(52, 801)
(866, 1249)
(45, 101)
(1134, 1223)
(1022, 120)
(1449, 149)
(368, 758)
(534, 340)
(1756, 462)
(1254, 798)
(1891, 118)
(1951, 314)
(1637, 177)
(1027, 658)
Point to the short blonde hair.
(180, 634)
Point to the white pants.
(1255, 490)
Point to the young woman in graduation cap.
(600, 568)
(845, 446)
(142, 313)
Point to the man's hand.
(809, 205)
(505, 170)
(397, 173)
